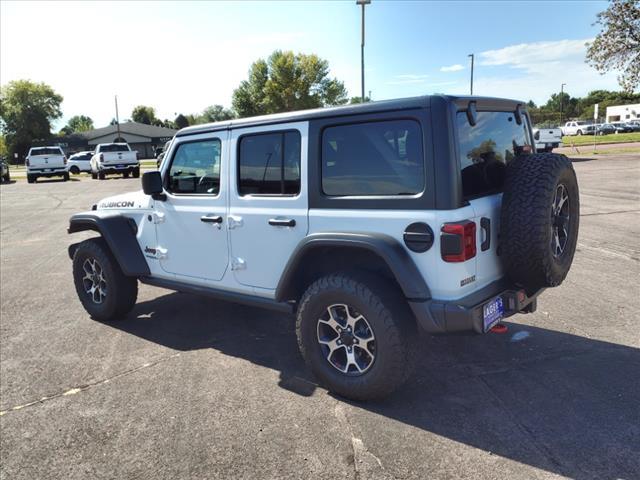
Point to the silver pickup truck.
(547, 138)
(114, 158)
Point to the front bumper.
(465, 314)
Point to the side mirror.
(152, 185)
(518, 115)
(472, 114)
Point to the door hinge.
(158, 217)
(234, 221)
(238, 263)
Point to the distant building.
(141, 137)
(623, 113)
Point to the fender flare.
(386, 247)
(120, 234)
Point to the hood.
(124, 201)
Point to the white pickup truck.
(577, 127)
(46, 162)
(547, 138)
(114, 158)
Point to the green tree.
(357, 100)
(181, 121)
(144, 114)
(617, 46)
(4, 151)
(286, 82)
(26, 112)
(216, 113)
(77, 124)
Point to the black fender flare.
(386, 247)
(120, 234)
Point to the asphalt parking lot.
(187, 387)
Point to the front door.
(268, 205)
(192, 240)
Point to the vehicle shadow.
(559, 402)
(581, 159)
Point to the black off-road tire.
(31, 178)
(101, 175)
(527, 224)
(121, 291)
(390, 319)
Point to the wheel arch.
(119, 232)
(322, 253)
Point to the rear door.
(484, 151)
(268, 204)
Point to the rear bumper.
(42, 172)
(119, 169)
(466, 314)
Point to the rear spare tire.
(539, 220)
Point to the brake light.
(64, 159)
(458, 241)
(26, 161)
(102, 157)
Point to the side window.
(374, 158)
(195, 168)
(486, 148)
(269, 163)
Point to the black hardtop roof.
(362, 108)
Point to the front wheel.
(104, 291)
(75, 170)
(357, 335)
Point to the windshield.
(46, 151)
(115, 147)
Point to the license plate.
(492, 313)
(119, 166)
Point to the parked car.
(4, 171)
(622, 127)
(79, 162)
(114, 158)
(576, 127)
(605, 129)
(46, 162)
(547, 137)
(333, 215)
(162, 154)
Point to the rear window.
(114, 147)
(374, 158)
(485, 150)
(46, 151)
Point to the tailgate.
(46, 161)
(119, 158)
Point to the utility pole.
(561, 102)
(117, 118)
(472, 57)
(362, 3)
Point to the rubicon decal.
(122, 204)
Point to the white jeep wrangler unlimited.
(371, 223)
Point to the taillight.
(101, 157)
(26, 161)
(458, 241)
(64, 159)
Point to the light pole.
(561, 102)
(472, 57)
(117, 118)
(362, 3)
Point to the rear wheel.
(357, 335)
(125, 175)
(101, 175)
(104, 291)
(7, 177)
(31, 178)
(65, 176)
(74, 170)
(136, 172)
(94, 175)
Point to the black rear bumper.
(465, 314)
(107, 170)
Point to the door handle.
(211, 219)
(485, 225)
(282, 222)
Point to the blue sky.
(182, 57)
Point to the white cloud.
(452, 68)
(408, 79)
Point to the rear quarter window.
(46, 151)
(484, 150)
